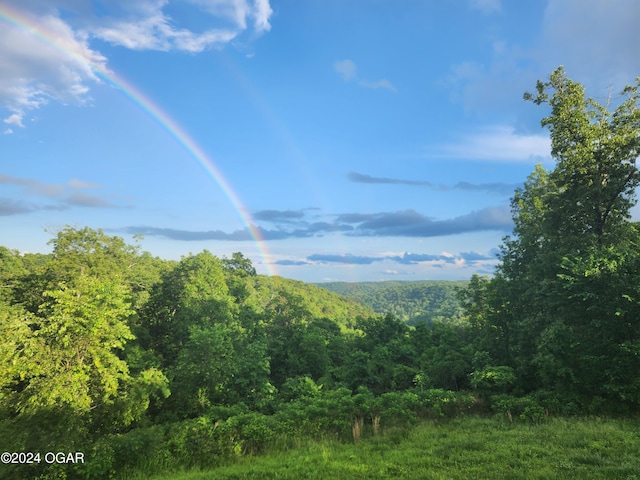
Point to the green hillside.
(318, 302)
(412, 302)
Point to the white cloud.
(81, 184)
(71, 193)
(261, 14)
(348, 70)
(497, 86)
(383, 83)
(32, 186)
(596, 40)
(52, 59)
(53, 62)
(14, 119)
(238, 11)
(487, 6)
(143, 25)
(8, 131)
(497, 143)
(156, 33)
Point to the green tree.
(205, 367)
(192, 294)
(562, 308)
(204, 338)
(596, 152)
(11, 270)
(76, 339)
(238, 269)
(90, 252)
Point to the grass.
(468, 448)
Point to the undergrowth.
(463, 448)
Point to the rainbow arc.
(18, 20)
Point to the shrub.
(253, 431)
(201, 442)
(524, 408)
(396, 408)
(439, 403)
(493, 380)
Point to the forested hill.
(412, 302)
(317, 302)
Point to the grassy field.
(469, 448)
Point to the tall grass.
(468, 448)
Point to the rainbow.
(17, 19)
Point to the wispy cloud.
(156, 33)
(495, 187)
(364, 178)
(239, 235)
(14, 207)
(9, 206)
(144, 24)
(468, 258)
(392, 272)
(486, 6)
(35, 72)
(497, 143)
(285, 216)
(72, 194)
(407, 223)
(595, 40)
(344, 259)
(82, 199)
(32, 186)
(348, 70)
(238, 12)
(382, 83)
(290, 263)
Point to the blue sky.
(364, 140)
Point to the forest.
(413, 302)
(144, 364)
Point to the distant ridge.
(318, 302)
(411, 301)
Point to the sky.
(326, 140)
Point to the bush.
(253, 431)
(493, 380)
(396, 408)
(201, 442)
(328, 412)
(524, 408)
(439, 403)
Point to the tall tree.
(564, 299)
(193, 294)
